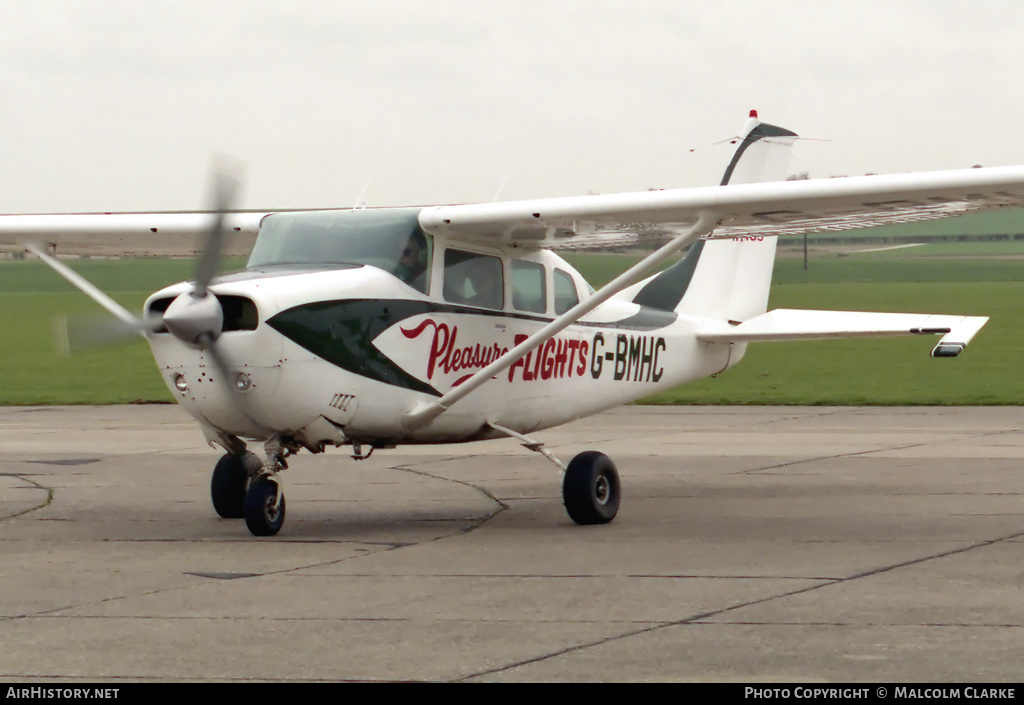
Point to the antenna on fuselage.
(504, 181)
(360, 203)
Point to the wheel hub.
(602, 490)
(271, 509)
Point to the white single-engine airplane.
(379, 327)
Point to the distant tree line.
(840, 239)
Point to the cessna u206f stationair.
(372, 328)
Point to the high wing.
(774, 208)
(125, 224)
(118, 230)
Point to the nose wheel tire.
(227, 486)
(264, 515)
(590, 489)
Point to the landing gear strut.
(591, 490)
(264, 500)
(243, 486)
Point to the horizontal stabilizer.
(792, 324)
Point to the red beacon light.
(753, 113)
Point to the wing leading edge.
(119, 232)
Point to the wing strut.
(529, 444)
(423, 413)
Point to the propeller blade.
(73, 335)
(219, 361)
(196, 318)
(226, 182)
(88, 289)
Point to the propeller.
(195, 317)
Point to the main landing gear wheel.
(590, 488)
(227, 486)
(264, 514)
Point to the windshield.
(390, 239)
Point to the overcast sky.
(118, 105)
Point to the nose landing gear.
(243, 486)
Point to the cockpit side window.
(529, 286)
(473, 279)
(565, 292)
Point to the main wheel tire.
(227, 486)
(262, 515)
(591, 489)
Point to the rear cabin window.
(473, 279)
(529, 288)
(565, 292)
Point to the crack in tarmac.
(699, 618)
(858, 453)
(37, 486)
(478, 522)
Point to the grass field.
(1009, 248)
(1001, 221)
(881, 371)
(977, 248)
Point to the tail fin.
(728, 279)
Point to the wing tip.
(948, 349)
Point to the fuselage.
(335, 352)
